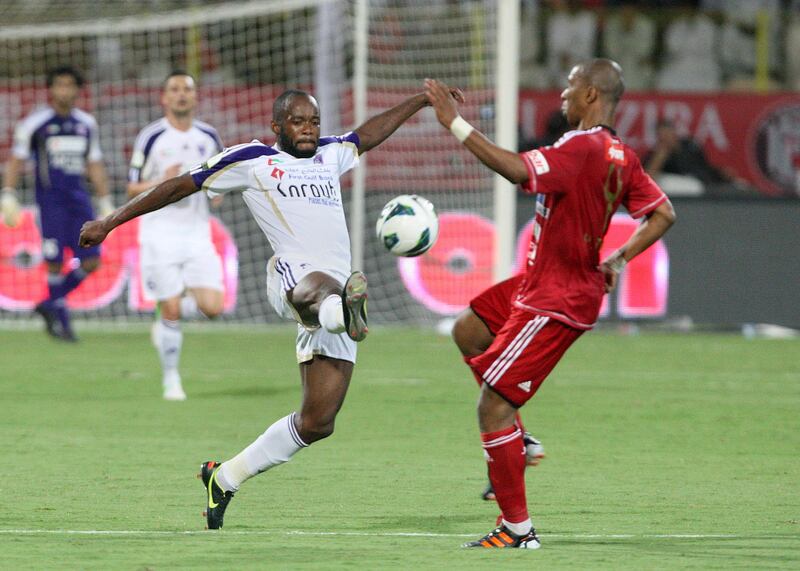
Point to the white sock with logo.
(170, 340)
(331, 314)
(276, 446)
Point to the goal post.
(506, 122)
(359, 57)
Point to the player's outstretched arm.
(504, 162)
(172, 190)
(648, 233)
(377, 129)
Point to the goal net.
(243, 54)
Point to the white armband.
(460, 128)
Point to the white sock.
(170, 339)
(520, 528)
(189, 308)
(277, 445)
(331, 314)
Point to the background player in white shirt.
(292, 190)
(180, 267)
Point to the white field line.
(146, 533)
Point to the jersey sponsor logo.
(304, 190)
(615, 153)
(67, 152)
(526, 386)
(540, 164)
(277, 173)
(67, 144)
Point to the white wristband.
(460, 128)
(618, 264)
(9, 190)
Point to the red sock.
(506, 459)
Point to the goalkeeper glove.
(104, 206)
(10, 207)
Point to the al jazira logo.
(776, 148)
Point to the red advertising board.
(757, 136)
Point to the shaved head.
(280, 109)
(605, 75)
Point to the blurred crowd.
(699, 45)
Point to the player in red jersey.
(580, 182)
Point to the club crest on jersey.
(615, 153)
(277, 173)
(318, 160)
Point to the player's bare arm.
(648, 233)
(502, 161)
(137, 188)
(172, 190)
(377, 129)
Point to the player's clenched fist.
(92, 233)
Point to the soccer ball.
(408, 226)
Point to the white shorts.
(165, 277)
(282, 275)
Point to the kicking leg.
(321, 301)
(325, 382)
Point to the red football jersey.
(579, 183)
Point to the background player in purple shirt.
(63, 144)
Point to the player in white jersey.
(180, 267)
(292, 189)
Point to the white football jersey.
(158, 147)
(296, 202)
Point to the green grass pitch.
(662, 452)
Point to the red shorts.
(493, 305)
(525, 350)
